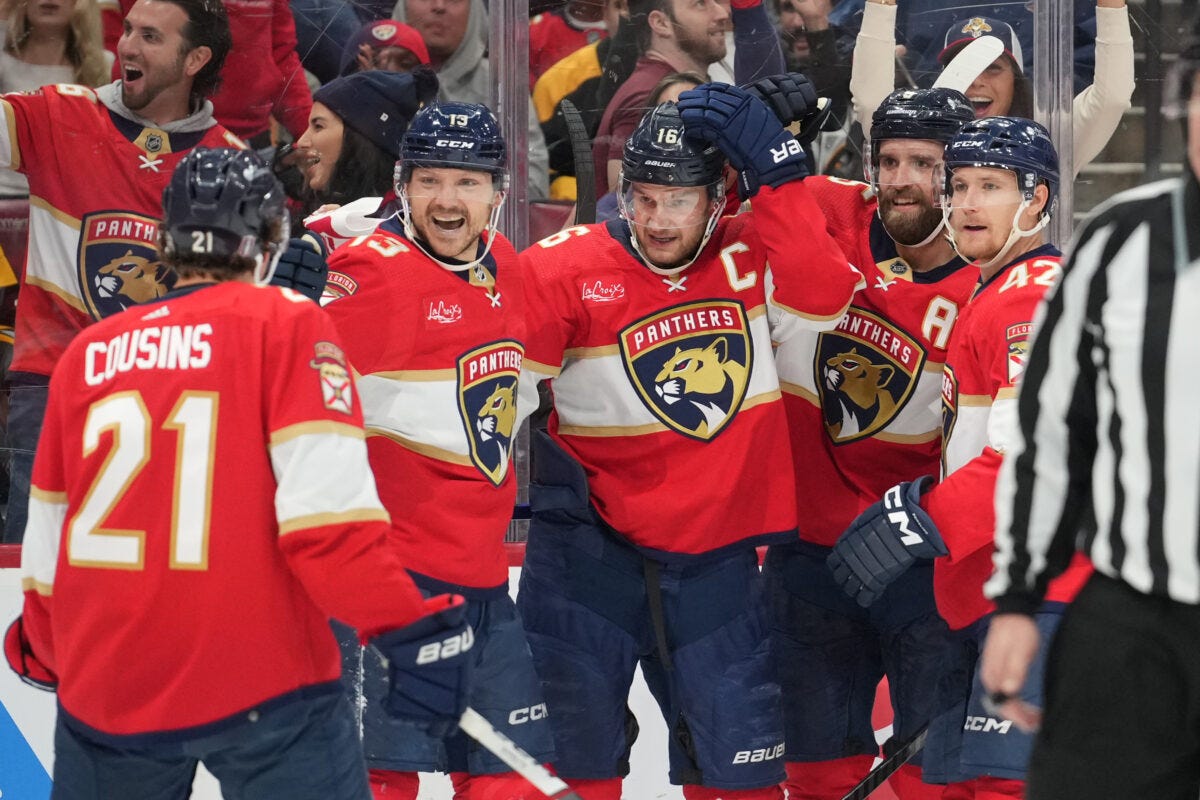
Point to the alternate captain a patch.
(118, 262)
(487, 403)
(690, 364)
(1017, 337)
(866, 369)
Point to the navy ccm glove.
(883, 542)
(747, 132)
(303, 267)
(429, 666)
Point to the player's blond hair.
(85, 46)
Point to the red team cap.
(963, 32)
(385, 33)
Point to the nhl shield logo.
(690, 364)
(118, 262)
(866, 369)
(487, 402)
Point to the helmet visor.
(980, 188)
(658, 207)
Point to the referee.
(1108, 462)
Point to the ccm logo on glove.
(893, 498)
(447, 648)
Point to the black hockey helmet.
(223, 202)
(455, 136)
(659, 153)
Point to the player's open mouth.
(449, 224)
(129, 74)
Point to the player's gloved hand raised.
(793, 98)
(883, 542)
(429, 664)
(747, 132)
(23, 661)
(303, 266)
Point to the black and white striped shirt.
(1107, 459)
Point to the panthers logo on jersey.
(487, 403)
(866, 369)
(118, 262)
(690, 364)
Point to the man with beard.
(97, 163)
(863, 403)
(678, 36)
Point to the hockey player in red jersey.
(666, 459)
(863, 404)
(185, 548)
(1001, 181)
(432, 310)
(97, 161)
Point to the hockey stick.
(886, 768)
(585, 171)
(969, 64)
(505, 749)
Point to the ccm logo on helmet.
(455, 144)
(446, 648)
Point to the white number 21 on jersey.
(194, 420)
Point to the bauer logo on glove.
(447, 648)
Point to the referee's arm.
(1043, 492)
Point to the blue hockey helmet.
(456, 136)
(659, 153)
(933, 114)
(1012, 143)
(225, 203)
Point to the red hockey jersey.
(201, 505)
(95, 186)
(439, 353)
(665, 388)
(983, 365)
(864, 399)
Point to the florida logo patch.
(866, 369)
(690, 364)
(118, 262)
(337, 392)
(949, 406)
(1017, 337)
(487, 402)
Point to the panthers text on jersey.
(95, 198)
(864, 399)
(979, 406)
(439, 353)
(665, 387)
(201, 505)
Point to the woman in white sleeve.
(1002, 89)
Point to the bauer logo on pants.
(487, 401)
(691, 364)
(118, 262)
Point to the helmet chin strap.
(713, 218)
(1014, 233)
(411, 232)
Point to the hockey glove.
(883, 542)
(747, 131)
(429, 664)
(302, 266)
(23, 661)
